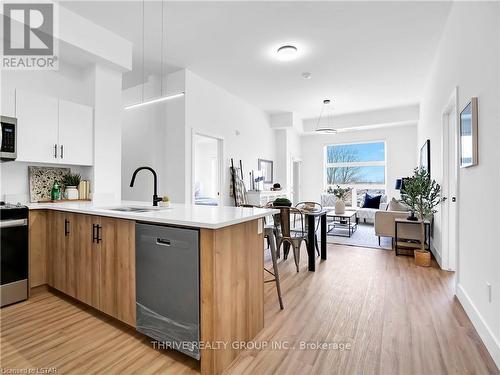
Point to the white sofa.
(364, 214)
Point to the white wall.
(154, 136)
(288, 146)
(468, 58)
(245, 129)
(400, 159)
(107, 102)
(206, 109)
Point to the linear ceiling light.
(156, 100)
(162, 98)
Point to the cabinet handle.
(66, 227)
(93, 233)
(62, 151)
(99, 238)
(55, 151)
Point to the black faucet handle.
(156, 199)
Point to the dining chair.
(285, 234)
(270, 236)
(312, 206)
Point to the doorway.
(449, 211)
(296, 169)
(207, 158)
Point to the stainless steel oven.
(13, 253)
(8, 138)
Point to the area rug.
(364, 236)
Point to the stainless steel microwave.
(8, 138)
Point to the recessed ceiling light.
(287, 53)
(306, 75)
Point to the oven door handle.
(13, 223)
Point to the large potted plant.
(422, 195)
(340, 194)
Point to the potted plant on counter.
(282, 202)
(422, 195)
(71, 182)
(340, 194)
(165, 201)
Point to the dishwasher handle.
(163, 241)
(13, 223)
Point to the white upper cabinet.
(75, 133)
(37, 127)
(53, 131)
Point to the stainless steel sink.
(130, 209)
(136, 209)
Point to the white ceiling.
(362, 55)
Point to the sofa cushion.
(395, 205)
(372, 201)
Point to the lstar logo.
(29, 36)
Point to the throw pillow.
(372, 201)
(395, 205)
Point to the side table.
(411, 243)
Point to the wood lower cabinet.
(87, 261)
(92, 259)
(59, 246)
(38, 247)
(117, 268)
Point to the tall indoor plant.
(422, 195)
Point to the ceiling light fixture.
(327, 126)
(287, 53)
(162, 98)
(306, 75)
(156, 100)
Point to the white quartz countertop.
(210, 217)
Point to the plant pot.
(282, 204)
(71, 192)
(422, 258)
(339, 207)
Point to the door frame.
(449, 257)
(220, 156)
(293, 160)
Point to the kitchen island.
(88, 252)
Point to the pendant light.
(162, 97)
(327, 127)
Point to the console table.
(261, 197)
(407, 243)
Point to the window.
(360, 166)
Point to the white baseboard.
(437, 255)
(484, 331)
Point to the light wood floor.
(397, 318)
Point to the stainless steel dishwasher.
(167, 286)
